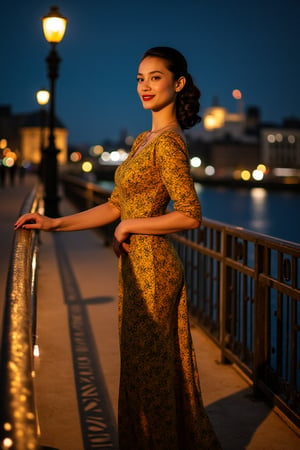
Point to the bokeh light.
(210, 171)
(8, 161)
(245, 175)
(262, 168)
(271, 138)
(291, 139)
(96, 150)
(87, 166)
(3, 143)
(75, 156)
(195, 161)
(257, 175)
(236, 93)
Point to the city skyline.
(228, 46)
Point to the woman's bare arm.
(90, 218)
(167, 223)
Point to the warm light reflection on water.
(260, 219)
(275, 213)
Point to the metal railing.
(18, 416)
(244, 291)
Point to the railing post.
(260, 317)
(223, 299)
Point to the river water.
(275, 213)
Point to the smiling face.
(156, 86)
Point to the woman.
(160, 405)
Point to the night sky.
(253, 46)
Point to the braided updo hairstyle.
(187, 100)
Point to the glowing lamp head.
(42, 97)
(54, 26)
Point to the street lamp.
(54, 26)
(42, 97)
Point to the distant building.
(9, 127)
(280, 147)
(25, 135)
(227, 156)
(219, 123)
(230, 141)
(33, 137)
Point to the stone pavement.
(78, 367)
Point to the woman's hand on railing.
(35, 221)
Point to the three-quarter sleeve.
(173, 163)
(114, 198)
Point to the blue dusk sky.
(252, 46)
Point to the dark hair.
(187, 101)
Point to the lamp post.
(54, 26)
(42, 97)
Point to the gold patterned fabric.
(160, 405)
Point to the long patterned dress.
(160, 405)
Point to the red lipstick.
(146, 98)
